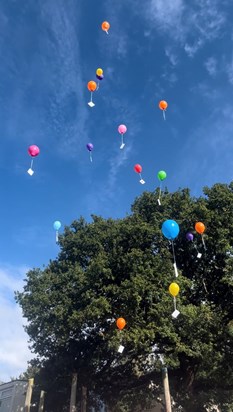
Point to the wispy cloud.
(14, 352)
(190, 25)
(211, 66)
(173, 58)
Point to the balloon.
(99, 72)
(163, 105)
(199, 227)
(100, 77)
(91, 86)
(162, 175)
(174, 289)
(138, 168)
(121, 323)
(105, 26)
(57, 225)
(90, 147)
(33, 150)
(122, 129)
(189, 236)
(170, 229)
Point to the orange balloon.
(91, 86)
(200, 227)
(105, 26)
(121, 323)
(163, 105)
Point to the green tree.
(112, 268)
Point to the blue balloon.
(170, 229)
(57, 225)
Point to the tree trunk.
(84, 399)
(73, 393)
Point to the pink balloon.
(33, 150)
(122, 129)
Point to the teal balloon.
(162, 175)
(170, 229)
(57, 225)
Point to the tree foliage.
(111, 268)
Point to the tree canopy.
(122, 268)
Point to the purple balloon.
(100, 77)
(189, 236)
(90, 147)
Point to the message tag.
(121, 348)
(199, 255)
(159, 203)
(122, 146)
(175, 314)
(91, 104)
(30, 172)
(142, 181)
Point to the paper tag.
(159, 203)
(91, 104)
(199, 255)
(122, 146)
(30, 172)
(176, 271)
(142, 181)
(175, 314)
(121, 348)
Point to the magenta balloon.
(122, 129)
(33, 150)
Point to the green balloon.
(162, 175)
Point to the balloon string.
(160, 190)
(174, 258)
(203, 242)
(91, 96)
(174, 303)
(31, 163)
(204, 285)
(122, 138)
(56, 236)
(164, 116)
(98, 85)
(106, 31)
(90, 157)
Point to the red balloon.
(138, 168)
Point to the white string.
(164, 115)
(90, 157)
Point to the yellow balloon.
(174, 289)
(99, 72)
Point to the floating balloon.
(161, 176)
(189, 236)
(138, 169)
(92, 86)
(163, 106)
(174, 289)
(105, 26)
(200, 228)
(99, 72)
(122, 129)
(121, 323)
(33, 151)
(170, 229)
(99, 77)
(57, 226)
(90, 147)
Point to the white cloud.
(14, 352)
(211, 66)
(229, 71)
(190, 25)
(171, 56)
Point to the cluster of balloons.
(170, 230)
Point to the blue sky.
(178, 50)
